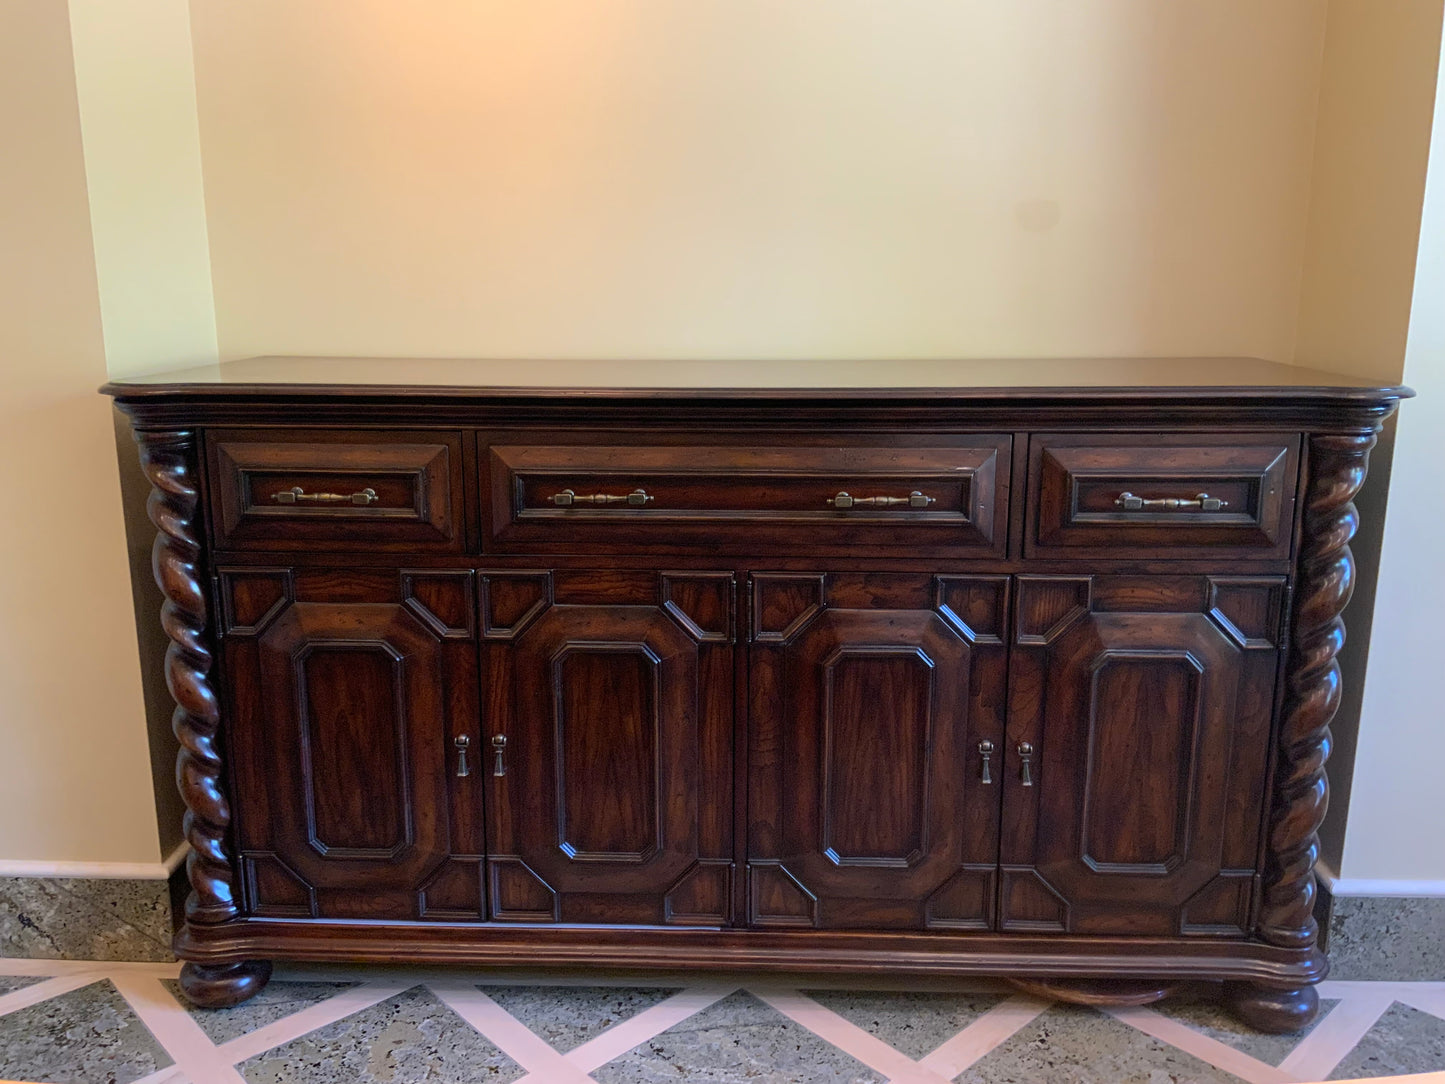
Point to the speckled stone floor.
(119, 1023)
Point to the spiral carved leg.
(1277, 1011)
(1326, 579)
(168, 459)
(225, 985)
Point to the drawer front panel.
(559, 498)
(361, 489)
(1161, 495)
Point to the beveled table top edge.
(929, 380)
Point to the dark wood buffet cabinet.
(1020, 669)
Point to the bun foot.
(226, 985)
(1268, 1009)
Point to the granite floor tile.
(1405, 1040)
(91, 1036)
(567, 1016)
(69, 919)
(913, 1024)
(1073, 1045)
(88, 1036)
(739, 1039)
(1204, 1012)
(276, 1001)
(411, 1038)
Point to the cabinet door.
(346, 692)
(874, 698)
(1143, 706)
(610, 799)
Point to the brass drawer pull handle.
(297, 495)
(499, 747)
(462, 743)
(913, 500)
(1026, 756)
(1202, 501)
(985, 750)
(567, 498)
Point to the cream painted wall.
(75, 781)
(137, 90)
(724, 178)
(1377, 91)
(757, 178)
(135, 78)
(1397, 802)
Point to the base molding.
(802, 951)
(1377, 888)
(98, 871)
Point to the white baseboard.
(1364, 886)
(105, 871)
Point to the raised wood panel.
(355, 727)
(1051, 605)
(1147, 718)
(443, 601)
(253, 597)
(518, 894)
(615, 700)
(511, 601)
(777, 898)
(866, 794)
(345, 704)
(1222, 908)
(275, 890)
(783, 603)
(1249, 609)
(977, 606)
(1144, 728)
(704, 603)
(1029, 904)
(702, 896)
(877, 723)
(607, 744)
(966, 901)
(453, 893)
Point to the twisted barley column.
(1337, 465)
(168, 459)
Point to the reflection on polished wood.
(1096, 992)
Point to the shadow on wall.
(151, 639)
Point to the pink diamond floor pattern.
(118, 1023)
